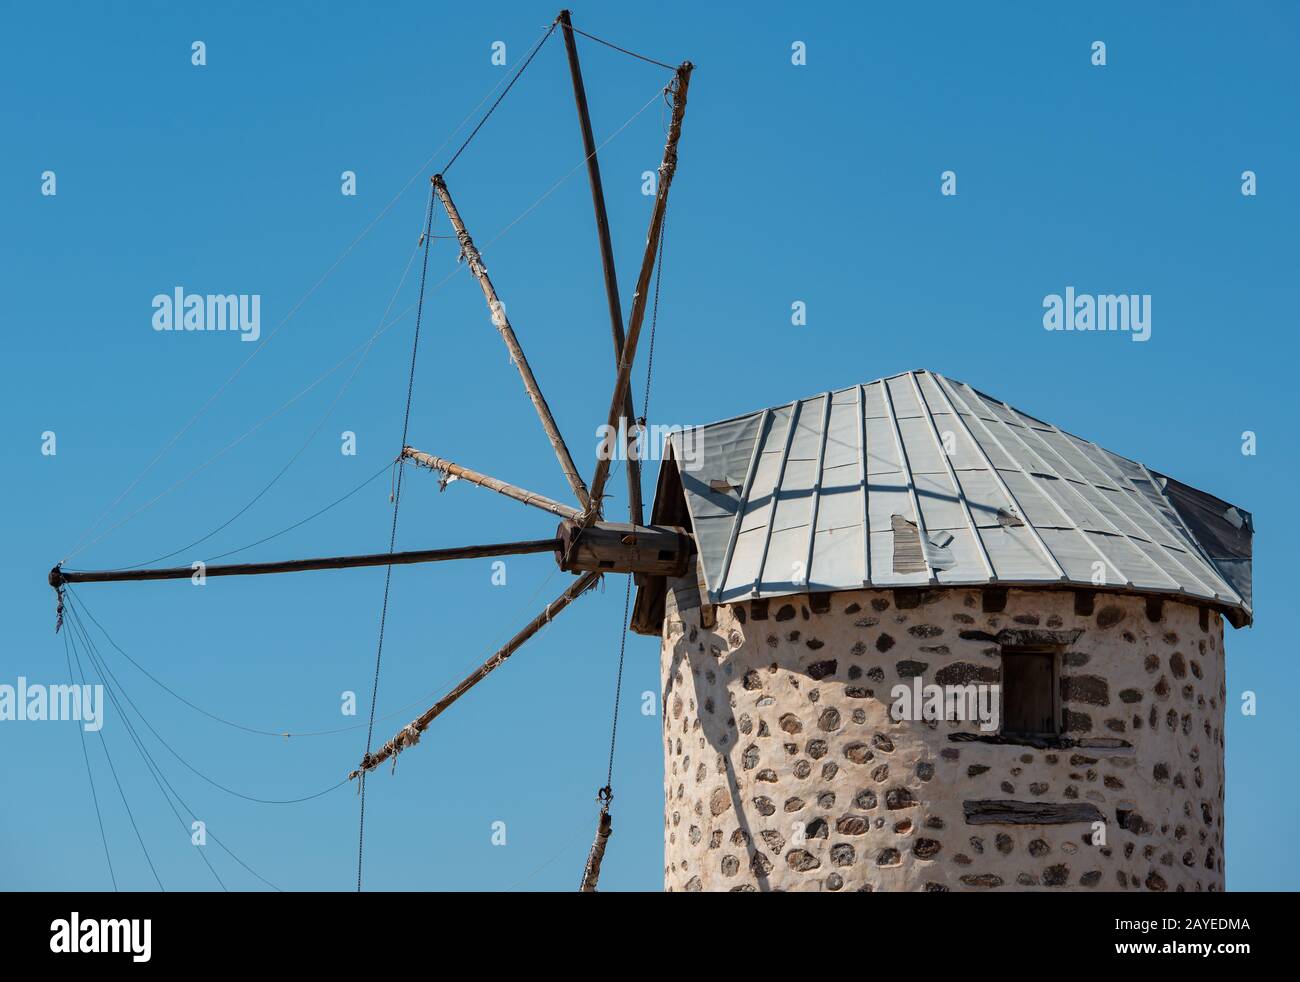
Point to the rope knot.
(56, 581)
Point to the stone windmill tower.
(865, 552)
(911, 637)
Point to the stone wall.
(784, 770)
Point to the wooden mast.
(636, 510)
(502, 322)
(410, 734)
(666, 171)
(450, 469)
(591, 872)
(579, 546)
(60, 576)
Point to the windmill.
(585, 544)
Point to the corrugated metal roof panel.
(810, 497)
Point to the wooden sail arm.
(60, 576)
(591, 872)
(667, 169)
(453, 470)
(578, 547)
(502, 322)
(409, 735)
(636, 511)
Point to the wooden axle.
(610, 547)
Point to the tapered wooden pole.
(59, 576)
(502, 322)
(591, 872)
(409, 735)
(636, 510)
(666, 171)
(447, 467)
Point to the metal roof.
(919, 480)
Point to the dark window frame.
(1055, 654)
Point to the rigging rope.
(622, 648)
(364, 345)
(80, 627)
(473, 133)
(607, 791)
(610, 44)
(654, 320)
(383, 614)
(94, 796)
(113, 770)
(576, 167)
(392, 539)
(241, 438)
(93, 651)
(329, 411)
(604, 828)
(557, 855)
(176, 695)
(152, 765)
(423, 169)
(422, 700)
(275, 535)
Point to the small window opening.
(1029, 691)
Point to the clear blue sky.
(818, 183)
